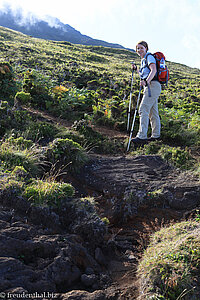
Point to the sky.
(172, 26)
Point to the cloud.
(166, 25)
(24, 16)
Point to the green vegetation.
(20, 152)
(171, 264)
(54, 96)
(179, 157)
(66, 152)
(49, 193)
(88, 86)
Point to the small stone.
(89, 271)
(130, 255)
(99, 256)
(88, 280)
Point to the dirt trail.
(122, 187)
(132, 220)
(110, 133)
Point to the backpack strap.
(146, 65)
(149, 90)
(156, 75)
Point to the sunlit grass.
(171, 263)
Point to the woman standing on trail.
(148, 109)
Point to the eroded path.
(138, 195)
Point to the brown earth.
(69, 253)
(132, 220)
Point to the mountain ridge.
(63, 130)
(49, 28)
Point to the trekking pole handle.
(134, 67)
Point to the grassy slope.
(105, 64)
(171, 264)
(52, 56)
(179, 103)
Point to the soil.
(123, 189)
(108, 180)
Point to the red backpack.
(162, 71)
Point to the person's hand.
(134, 67)
(148, 82)
(143, 83)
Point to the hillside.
(50, 28)
(80, 218)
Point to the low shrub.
(177, 156)
(37, 131)
(22, 98)
(48, 193)
(7, 82)
(72, 135)
(66, 102)
(4, 117)
(20, 119)
(170, 266)
(180, 126)
(67, 153)
(19, 142)
(31, 159)
(84, 128)
(37, 85)
(10, 186)
(97, 142)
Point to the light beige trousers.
(148, 110)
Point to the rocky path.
(138, 195)
(68, 252)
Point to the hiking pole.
(129, 108)
(138, 99)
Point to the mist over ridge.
(46, 27)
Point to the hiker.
(148, 109)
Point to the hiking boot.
(137, 140)
(152, 139)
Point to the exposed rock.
(99, 256)
(108, 294)
(89, 271)
(37, 259)
(127, 182)
(69, 251)
(88, 280)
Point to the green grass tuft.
(48, 193)
(171, 264)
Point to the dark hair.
(143, 43)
